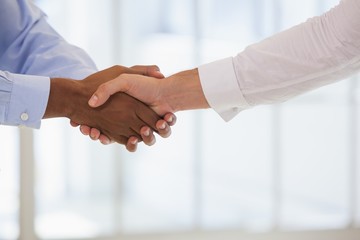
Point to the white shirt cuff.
(29, 97)
(221, 88)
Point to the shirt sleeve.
(31, 52)
(321, 51)
(23, 99)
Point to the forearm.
(183, 91)
(318, 52)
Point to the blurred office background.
(289, 171)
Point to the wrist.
(183, 91)
(63, 98)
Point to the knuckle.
(120, 69)
(103, 88)
(156, 67)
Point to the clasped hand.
(122, 119)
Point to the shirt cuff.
(221, 88)
(29, 97)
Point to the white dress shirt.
(31, 52)
(320, 51)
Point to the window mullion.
(27, 185)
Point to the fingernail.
(134, 141)
(82, 129)
(170, 119)
(147, 133)
(105, 142)
(93, 100)
(162, 126)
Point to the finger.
(163, 128)
(170, 118)
(85, 130)
(147, 115)
(156, 74)
(131, 144)
(120, 139)
(105, 140)
(105, 90)
(94, 134)
(136, 133)
(74, 124)
(147, 136)
(151, 71)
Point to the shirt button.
(24, 116)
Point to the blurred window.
(288, 167)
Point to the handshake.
(125, 105)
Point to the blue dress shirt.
(31, 52)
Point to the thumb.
(105, 90)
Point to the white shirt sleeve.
(318, 52)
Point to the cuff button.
(24, 116)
